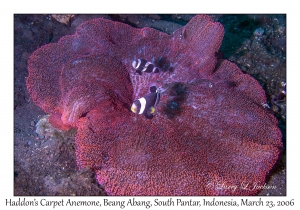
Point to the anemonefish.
(146, 105)
(142, 65)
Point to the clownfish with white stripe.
(142, 65)
(146, 105)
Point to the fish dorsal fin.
(153, 89)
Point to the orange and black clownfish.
(142, 65)
(146, 105)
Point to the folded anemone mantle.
(210, 131)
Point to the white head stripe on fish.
(139, 63)
(143, 104)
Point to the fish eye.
(133, 108)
